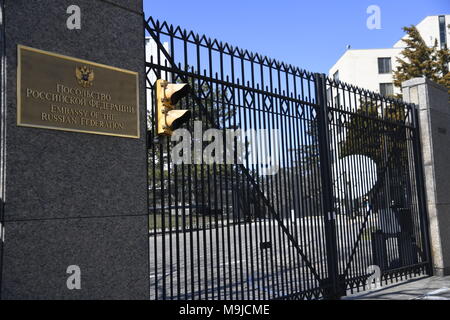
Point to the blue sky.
(310, 34)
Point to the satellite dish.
(354, 176)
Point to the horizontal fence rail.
(326, 184)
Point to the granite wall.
(434, 123)
(74, 198)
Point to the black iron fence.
(326, 184)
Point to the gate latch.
(331, 215)
(266, 245)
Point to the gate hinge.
(2, 232)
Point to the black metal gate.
(326, 185)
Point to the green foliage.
(214, 110)
(358, 127)
(376, 135)
(419, 60)
(199, 184)
(375, 130)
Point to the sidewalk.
(424, 288)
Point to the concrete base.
(441, 272)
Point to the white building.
(372, 69)
(151, 55)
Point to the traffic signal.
(167, 95)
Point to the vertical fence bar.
(2, 132)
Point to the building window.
(384, 65)
(336, 76)
(387, 89)
(442, 32)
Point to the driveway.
(424, 288)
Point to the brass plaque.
(64, 93)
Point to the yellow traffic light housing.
(167, 96)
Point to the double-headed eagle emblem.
(85, 76)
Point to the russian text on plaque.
(65, 93)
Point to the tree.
(419, 60)
(205, 187)
(369, 134)
(307, 189)
(382, 138)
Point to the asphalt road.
(254, 260)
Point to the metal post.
(332, 290)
